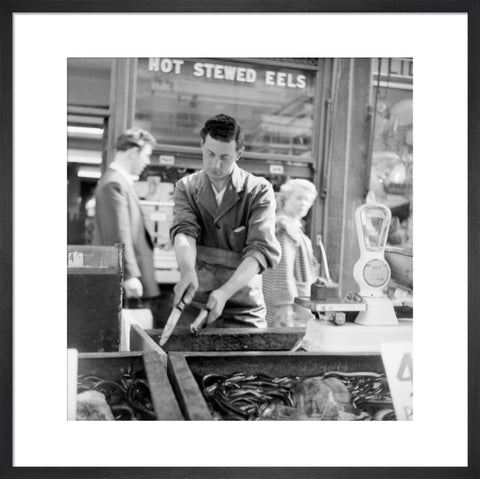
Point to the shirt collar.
(117, 167)
(237, 178)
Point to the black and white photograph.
(235, 206)
(217, 216)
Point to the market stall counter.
(228, 339)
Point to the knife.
(171, 322)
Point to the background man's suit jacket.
(119, 219)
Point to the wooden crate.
(185, 370)
(94, 297)
(112, 365)
(230, 339)
(141, 341)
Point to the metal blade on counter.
(171, 322)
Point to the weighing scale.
(376, 322)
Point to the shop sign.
(397, 359)
(234, 73)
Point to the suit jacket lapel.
(129, 186)
(206, 196)
(141, 213)
(230, 197)
(134, 194)
(134, 197)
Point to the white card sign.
(75, 259)
(276, 169)
(166, 160)
(398, 362)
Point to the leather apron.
(246, 308)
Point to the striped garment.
(293, 276)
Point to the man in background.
(119, 217)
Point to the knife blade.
(171, 322)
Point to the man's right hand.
(133, 288)
(185, 289)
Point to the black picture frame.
(8, 7)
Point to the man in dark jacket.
(118, 216)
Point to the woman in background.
(298, 266)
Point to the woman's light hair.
(292, 185)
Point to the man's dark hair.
(223, 128)
(132, 138)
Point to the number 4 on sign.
(75, 259)
(405, 371)
(398, 361)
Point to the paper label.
(398, 362)
(276, 169)
(75, 260)
(167, 160)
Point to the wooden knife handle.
(199, 322)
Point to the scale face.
(376, 273)
(371, 271)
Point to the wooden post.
(122, 101)
(322, 97)
(349, 168)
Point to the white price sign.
(276, 169)
(398, 361)
(166, 160)
(75, 260)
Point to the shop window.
(392, 159)
(88, 81)
(88, 98)
(174, 98)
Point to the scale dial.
(376, 273)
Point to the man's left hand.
(133, 288)
(215, 304)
